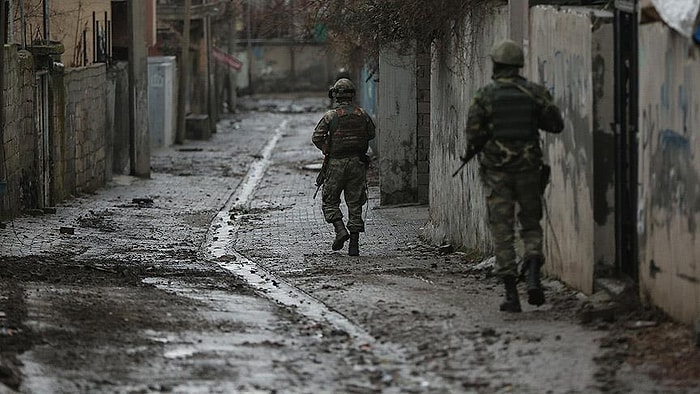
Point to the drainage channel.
(224, 228)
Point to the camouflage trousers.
(347, 176)
(505, 190)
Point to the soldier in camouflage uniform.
(503, 126)
(343, 136)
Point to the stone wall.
(73, 153)
(21, 168)
(85, 117)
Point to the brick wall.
(423, 123)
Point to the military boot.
(535, 293)
(341, 235)
(512, 301)
(354, 247)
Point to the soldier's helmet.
(342, 73)
(507, 52)
(343, 89)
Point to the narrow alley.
(216, 276)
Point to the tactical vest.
(349, 128)
(514, 112)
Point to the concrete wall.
(669, 171)
(397, 108)
(576, 65)
(288, 67)
(457, 205)
(20, 169)
(404, 121)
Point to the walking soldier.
(503, 126)
(343, 135)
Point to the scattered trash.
(446, 249)
(639, 324)
(143, 202)
(9, 331)
(67, 230)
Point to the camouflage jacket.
(499, 150)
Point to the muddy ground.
(216, 275)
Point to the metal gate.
(626, 128)
(41, 122)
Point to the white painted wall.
(457, 205)
(564, 63)
(576, 64)
(669, 171)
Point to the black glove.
(469, 154)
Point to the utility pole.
(46, 21)
(184, 80)
(249, 46)
(519, 22)
(3, 22)
(231, 96)
(139, 140)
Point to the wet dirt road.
(216, 275)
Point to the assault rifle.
(321, 177)
(465, 159)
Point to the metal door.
(626, 126)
